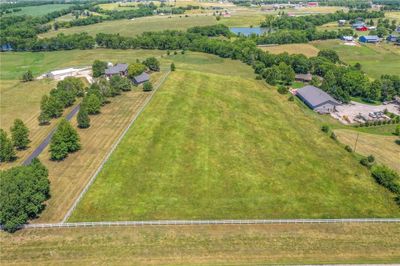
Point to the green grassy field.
(302, 48)
(159, 23)
(204, 245)
(376, 60)
(383, 148)
(40, 10)
(223, 146)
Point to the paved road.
(46, 141)
(214, 222)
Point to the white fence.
(215, 222)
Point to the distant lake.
(246, 31)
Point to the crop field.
(209, 245)
(213, 146)
(384, 148)
(376, 60)
(40, 10)
(302, 48)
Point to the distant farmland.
(215, 146)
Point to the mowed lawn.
(204, 245)
(383, 148)
(375, 60)
(213, 146)
(303, 48)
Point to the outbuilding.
(369, 39)
(348, 38)
(392, 38)
(303, 77)
(317, 99)
(118, 69)
(139, 79)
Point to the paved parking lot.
(353, 109)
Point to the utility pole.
(355, 144)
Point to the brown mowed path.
(70, 176)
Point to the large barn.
(317, 99)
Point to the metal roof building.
(369, 39)
(317, 99)
(141, 78)
(117, 69)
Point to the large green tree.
(64, 141)
(7, 152)
(92, 104)
(98, 68)
(135, 69)
(23, 192)
(20, 134)
(83, 118)
(152, 63)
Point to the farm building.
(118, 69)
(62, 73)
(312, 4)
(141, 78)
(358, 24)
(348, 38)
(369, 39)
(392, 38)
(341, 22)
(398, 29)
(303, 77)
(317, 99)
(361, 28)
(6, 47)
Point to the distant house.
(371, 27)
(62, 73)
(392, 38)
(362, 28)
(303, 77)
(6, 47)
(139, 79)
(118, 69)
(312, 4)
(348, 38)
(358, 24)
(369, 39)
(317, 99)
(341, 22)
(398, 29)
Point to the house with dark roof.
(317, 99)
(118, 69)
(392, 38)
(303, 77)
(369, 39)
(139, 79)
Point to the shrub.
(283, 89)
(397, 130)
(387, 178)
(291, 98)
(325, 128)
(333, 136)
(27, 76)
(172, 67)
(147, 86)
(348, 148)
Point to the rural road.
(214, 222)
(46, 141)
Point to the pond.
(246, 31)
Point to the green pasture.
(223, 146)
(375, 59)
(40, 10)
